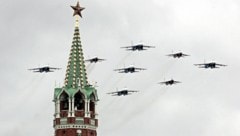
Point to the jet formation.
(132, 69)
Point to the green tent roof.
(76, 76)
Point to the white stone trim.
(58, 108)
(73, 111)
(75, 126)
(86, 108)
(69, 107)
(63, 121)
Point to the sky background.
(206, 103)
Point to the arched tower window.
(92, 103)
(79, 101)
(64, 105)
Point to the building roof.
(76, 75)
(76, 72)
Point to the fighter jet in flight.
(209, 65)
(131, 69)
(177, 55)
(137, 47)
(122, 92)
(44, 69)
(95, 60)
(169, 82)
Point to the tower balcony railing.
(63, 113)
(79, 113)
(93, 114)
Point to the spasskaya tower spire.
(75, 103)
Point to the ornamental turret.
(75, 103)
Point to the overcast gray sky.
(206, 103)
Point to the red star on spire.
(77, 9)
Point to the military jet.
(122, 92)
(44, 69)
(177, 55)
(169, 82)
(95, 60)
(137, 47)
(129, 70)
(209, 65)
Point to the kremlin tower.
(75, 103)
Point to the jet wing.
(221, 65)
(94, 59)
(132, 91)
(185, 55)
(175, 82)
(89, 60)
(201, 67)
(138, 49)
(148, 46)
(115, 95)
(113, 92)
(140, 68)
(127, 47)
(130, 49)
(120, 69)
(170, 55)
(123, 71)
(34, 69)
(162, 82)
(54, 68)
(200, 64)
(133, 71)
(101, 59)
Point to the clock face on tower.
(79, 131)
